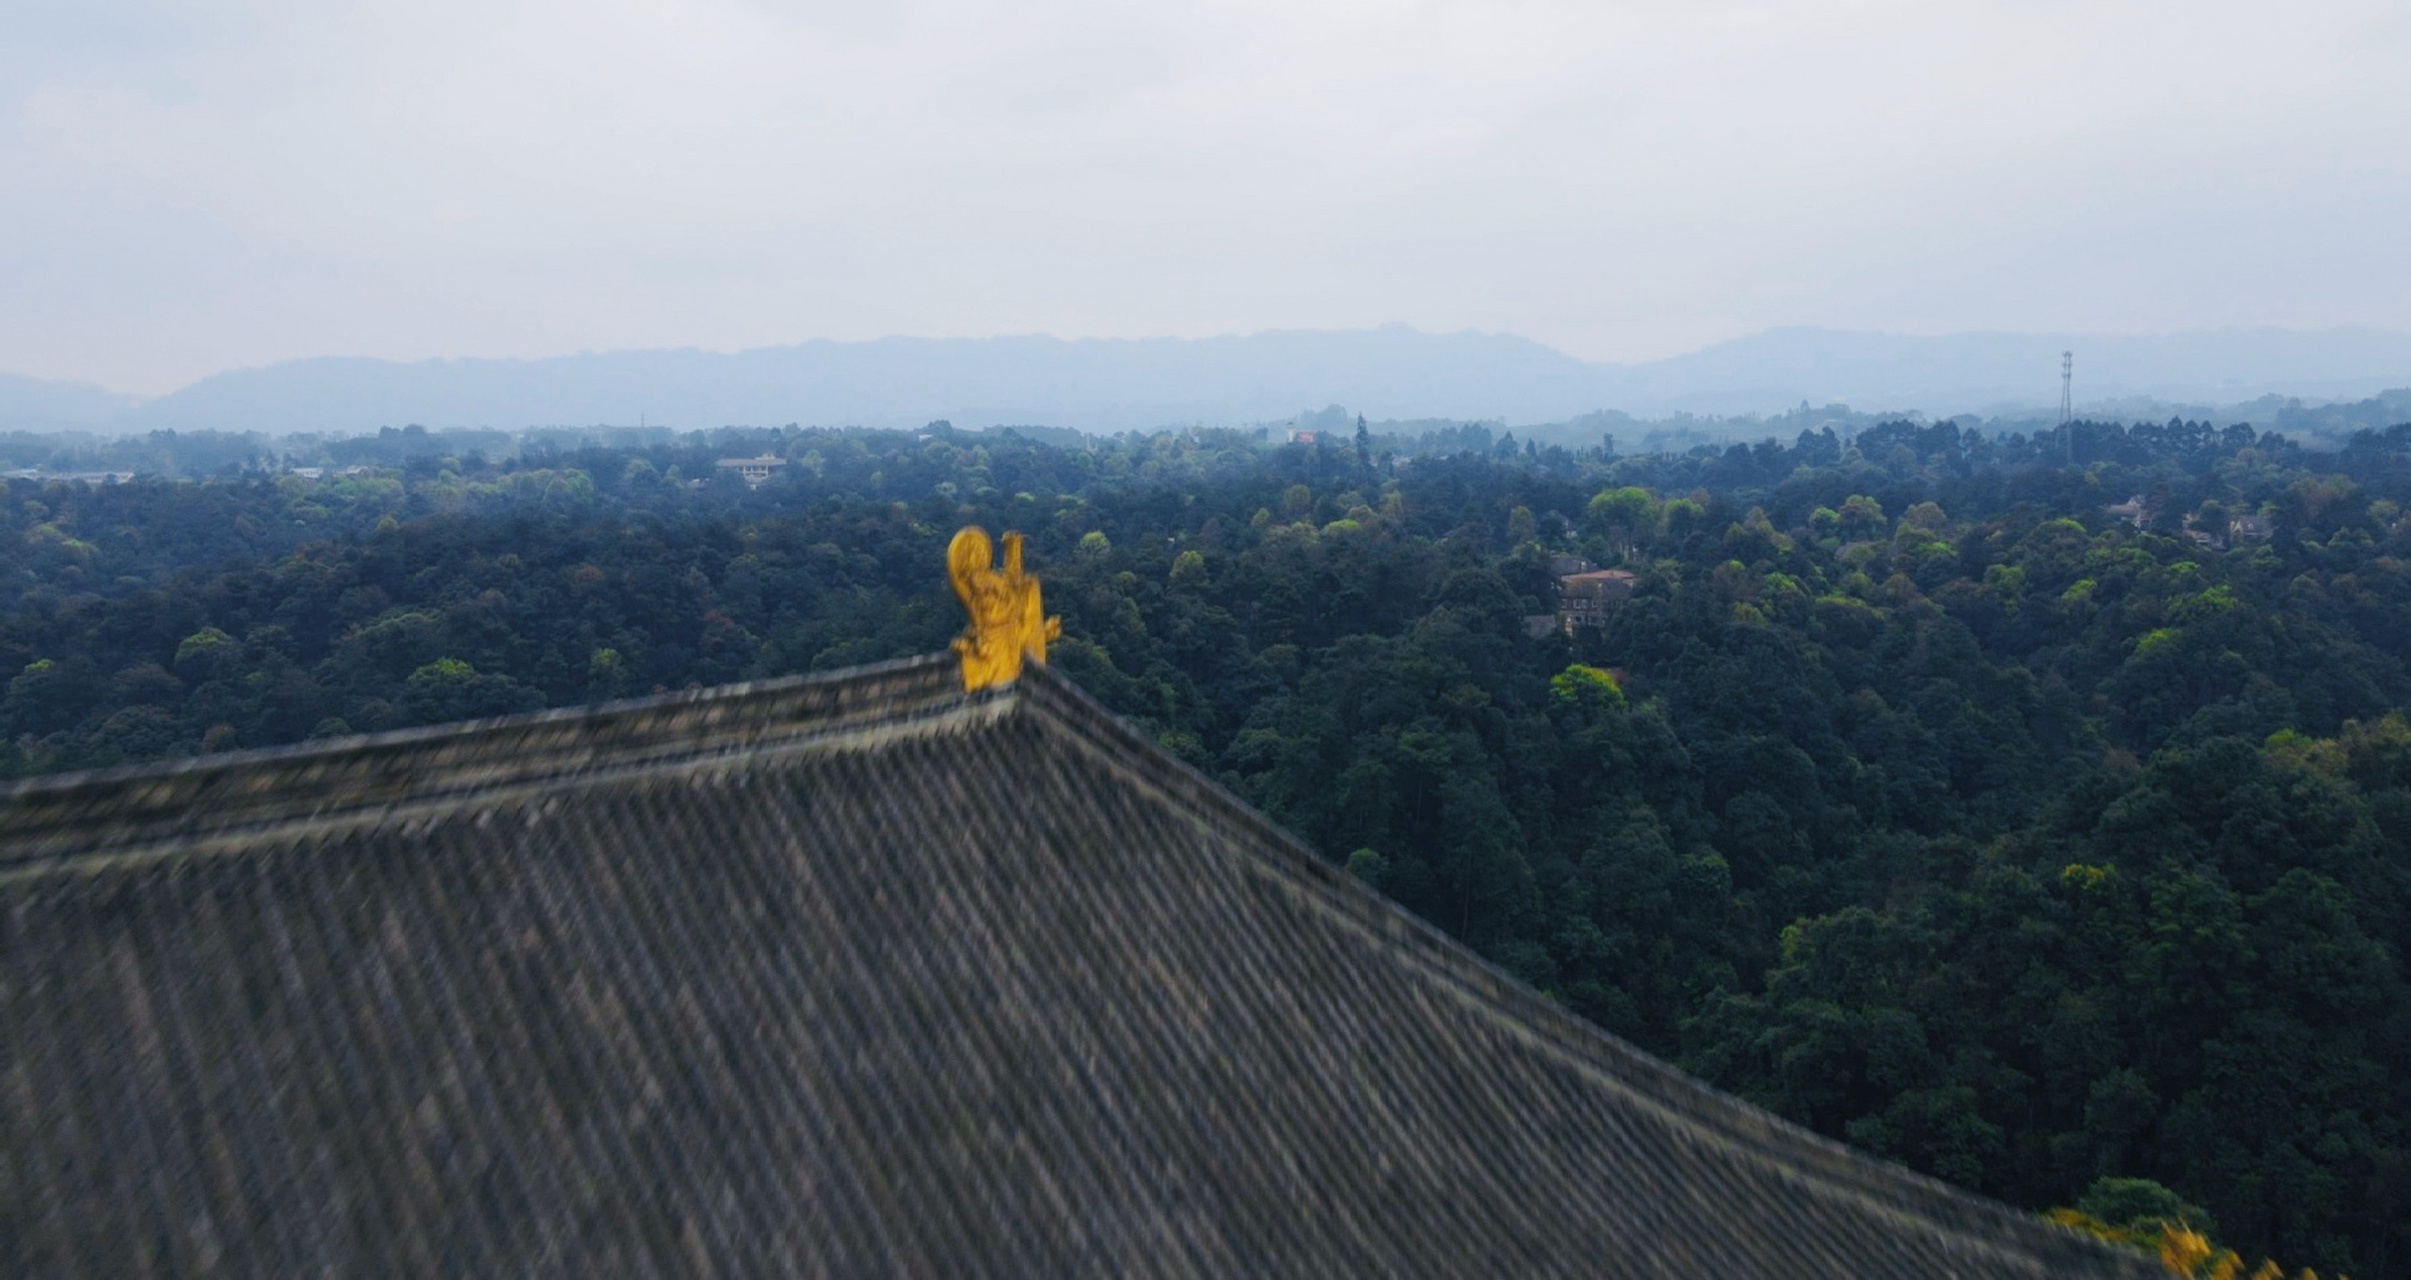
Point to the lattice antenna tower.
(2067, 387)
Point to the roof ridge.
(63, 820)
(1887, 1186)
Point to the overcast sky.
(188, 187)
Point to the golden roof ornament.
(1007, 621)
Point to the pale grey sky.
(188, 187)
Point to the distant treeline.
(196, 454)
(1914, 793)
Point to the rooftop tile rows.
(848, 975)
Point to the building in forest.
(862, 973)
(753, 471)
(1588, 599)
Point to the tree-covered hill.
(1913, 793)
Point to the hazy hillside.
(1988, 372)
(32, 404)
(1093, 385)
(1391, 372)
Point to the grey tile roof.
(845, 975)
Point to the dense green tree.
(1911, 793)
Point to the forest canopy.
(2034, 809)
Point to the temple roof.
(847, 974)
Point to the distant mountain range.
(1109, 385)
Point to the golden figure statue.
(1007, 621)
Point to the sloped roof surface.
(843, 975)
